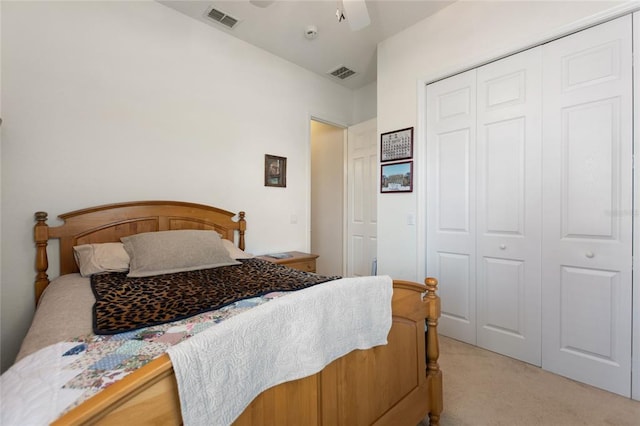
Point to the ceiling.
(279, 28)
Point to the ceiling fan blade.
(357, 14)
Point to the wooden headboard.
(109, 223)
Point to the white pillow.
(104, 257)
(234, 251)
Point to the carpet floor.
(484, 388)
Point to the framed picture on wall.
(275, 171)
(396, 145)
(396, 177)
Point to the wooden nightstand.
(302, 261)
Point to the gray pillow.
(164, 252)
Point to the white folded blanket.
(222, 369)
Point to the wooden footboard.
(396, 384)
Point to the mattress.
(53, 321)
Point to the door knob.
(502, 246)
(589, 254)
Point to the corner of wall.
(365, 106)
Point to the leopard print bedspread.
(126, 304)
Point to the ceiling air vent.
(223, 18)
(342, 72)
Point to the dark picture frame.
(396, 177)
(275, 171)
(396, 145)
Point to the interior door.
(508, 206)
(587, 193)
(361, 198)
(451, 222)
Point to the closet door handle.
(589, 254)
(502, 246)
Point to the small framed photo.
(396, 145)
(275, 171)
(396, 177)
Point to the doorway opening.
(328, 182)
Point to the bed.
(399, 383)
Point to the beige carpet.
(484, 388)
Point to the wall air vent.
(342, 72)
(222, 18)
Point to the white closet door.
(587, 207)
(451, 106)
(508, 206)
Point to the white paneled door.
(361, 198)
(451, 222)
(587, 193)
(508, 206)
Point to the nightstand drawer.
(306, 266)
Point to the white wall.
(113, 101)
(365, 103)
(460, 36)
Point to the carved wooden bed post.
(434, 374)
(243, 227)
(41, 236)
